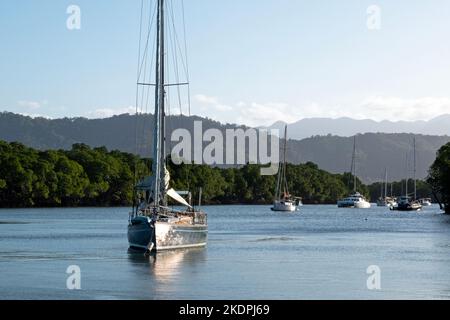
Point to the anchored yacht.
(284, 201)
(355, 200)
(153, 225)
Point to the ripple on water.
(14, 222)
(271, 239)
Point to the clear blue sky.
(251, 61)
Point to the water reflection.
(166, 267)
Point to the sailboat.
(284, 201)
(384, 200)
(405, 203)
(152, 224)
(356, 199)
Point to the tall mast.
(407, 178)
(415, 181)
(286, 190)
(381, 190)
(278, 189)
(162, 94)
(158, 131)
(354, 164)
(281, 178)
(385, 183)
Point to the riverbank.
(96, 177)
(85, 176)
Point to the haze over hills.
(347, 127)
(117, 132)
(376, 151)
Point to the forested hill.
(115, 133)
(375, 151)
(84, 176)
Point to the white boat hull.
(362, 205)
(354, 201)
(160, 236)
(284, 206)
(356, 205)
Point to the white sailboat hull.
(284, 206)
(160, 236)
(386, 203)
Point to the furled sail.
(166, 178)
(175, 196)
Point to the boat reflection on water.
(168, 266)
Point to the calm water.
(320, 253)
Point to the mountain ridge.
(347, 127)
(376, 151)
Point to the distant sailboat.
(284, 202)
(384, 200)
(152, 225)
(405, 203)
(355, 200)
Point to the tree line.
(85, 176)
(439, 177)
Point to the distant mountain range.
(346, 127)
(115, 133)
(376, 151)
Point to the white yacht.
(355, 200)
(384, 200)
(284, 202)
(152, 224)
(284, 205)
(406, 203)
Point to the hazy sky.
(251, 61)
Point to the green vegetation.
(331, 153)
(246, 185)
(85, 176)
(82, 176)
(439, 177)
